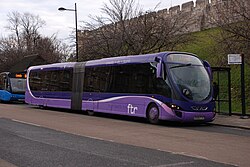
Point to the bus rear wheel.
(153, 114)
(90, 112)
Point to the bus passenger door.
(95, 88)
(88, 102)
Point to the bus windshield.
(18, 85)
(190, 76)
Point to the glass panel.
(183, 59)
(59, 80)
(96, 79)
(138, 78)
(18, 85)
(66, 80)
(193, 81)
(130, 78)
(2, 82)
(35, 81)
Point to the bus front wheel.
(153, 114)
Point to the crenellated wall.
(195, 16)
(188, 6)
(200, 11)
(174, 10)
(201, 4)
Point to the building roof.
(26, 62)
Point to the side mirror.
(208, 68)
(159, 67)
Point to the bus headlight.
(173, 106)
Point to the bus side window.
(120, 80)
(42, 85)
(5, 82)
(130, 78)
(158, 85)
(103, 75)
(143, 78)
(37, 80)
(46, 81)
(1, 82)
(87, 84)
(161, 87)
(96, 79)
(55, 80)
(66, 81)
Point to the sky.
(62, 23)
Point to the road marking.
(98, 138)
(92, 137)
(202, 157)
(4, 163)
(190, 155)
(176, 164)
(23, 122)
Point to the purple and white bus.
(172, 86)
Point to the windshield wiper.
(182, 65)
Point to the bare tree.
(126, 29)
(25, 28)
(26, 40)
(105, 36)
(14, 25)
(9, 53)
(30, 25)
(52, 50)
(233, 17)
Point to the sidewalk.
(232, 121)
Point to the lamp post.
(75, 10)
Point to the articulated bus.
(172, 86)
(12, 86)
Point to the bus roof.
(126, 59)
(146, 58)
(55, 65)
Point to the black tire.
(40, 106)
(153, 114)
(90, 112)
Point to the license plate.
(199, 118)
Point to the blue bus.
(172, 86)
(12, 86)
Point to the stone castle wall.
(196, 16)
(200, 12)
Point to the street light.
(63, 9)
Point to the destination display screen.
(183, 59)
(18, 75)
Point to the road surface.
(36, 137)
